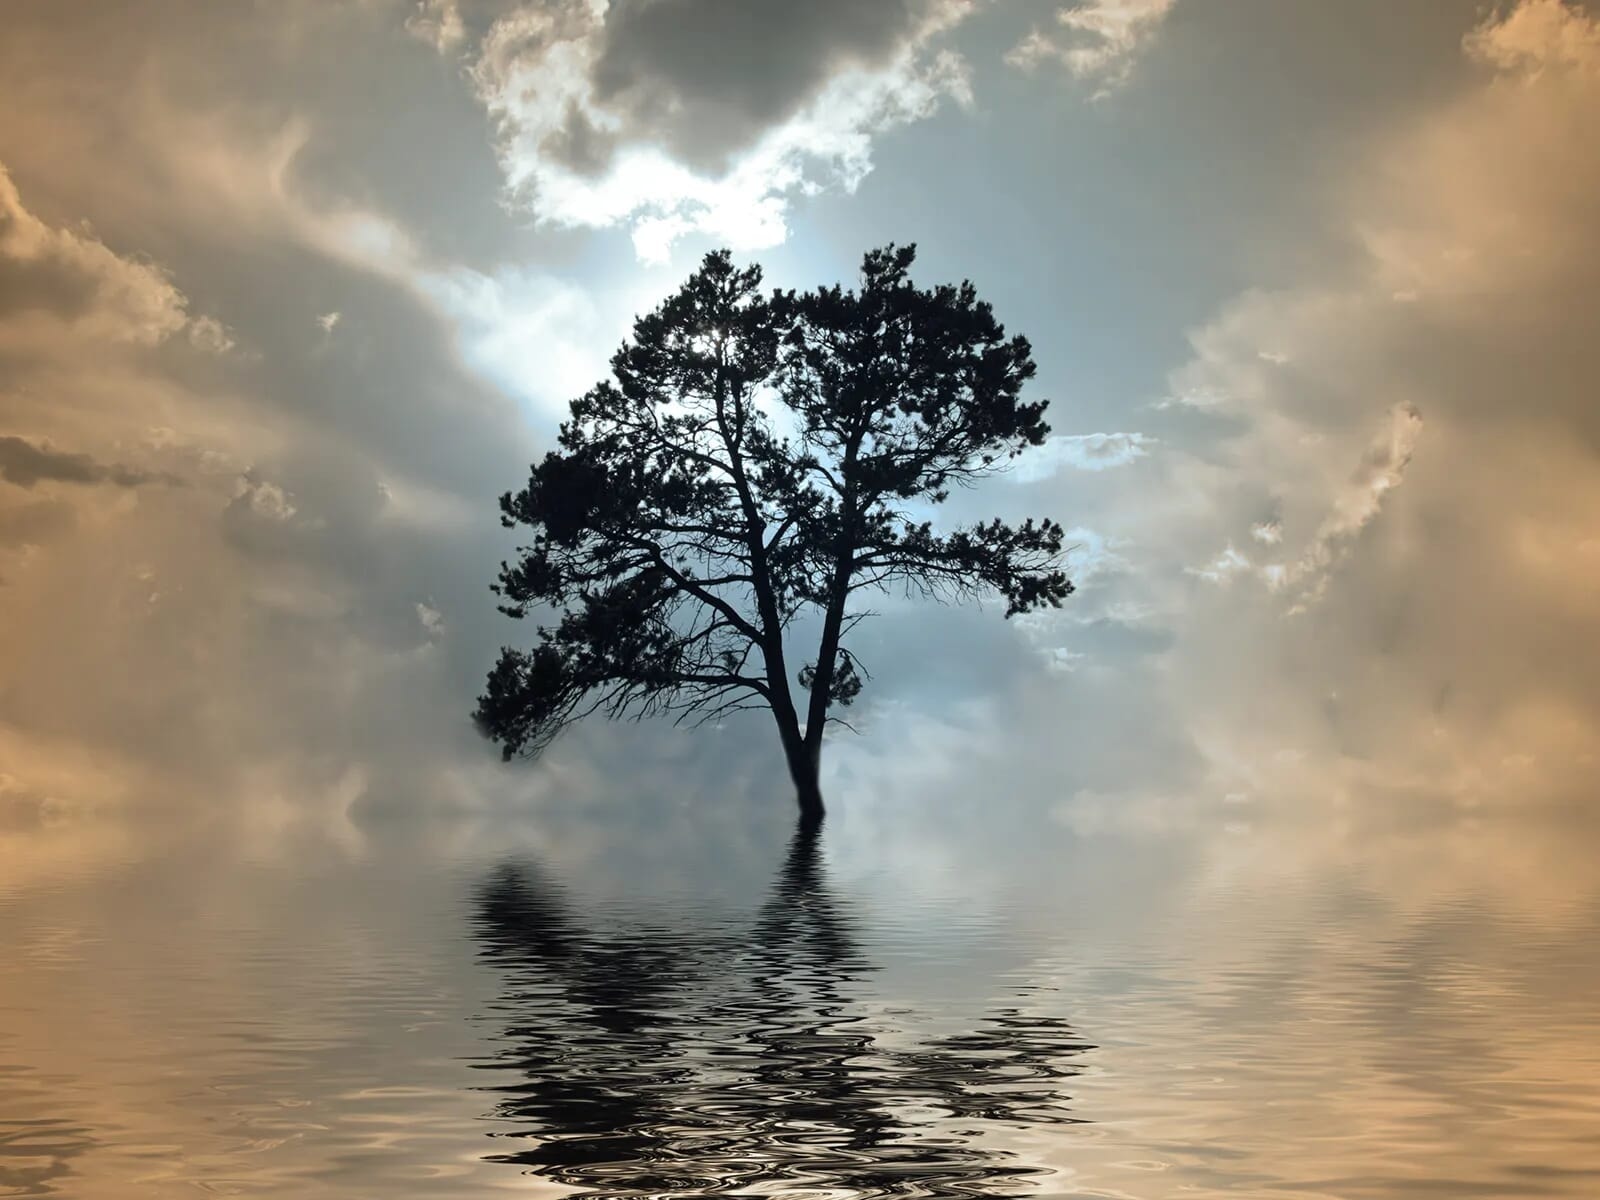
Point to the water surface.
(564, 1009)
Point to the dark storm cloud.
(24, 464)
(708, 116)
(707, 77)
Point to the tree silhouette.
(753, 458)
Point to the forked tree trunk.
(802, 765)
(802, 762)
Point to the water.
(576, 1008)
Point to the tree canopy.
(757, 458)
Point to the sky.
(291, 292)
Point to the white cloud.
(210, 335)
(1381, 470)
(1229, 562)
(1096, 40)
(534, 336)
(437, 23)
(1354, 507)
(265, 499)
(1081, 452)
(431, 619)
(1062, 661)
(574, 160)
(1193, 397)
(1090, 553)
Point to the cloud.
(58, 285)
(1361, 575)
(704, 116)
(438, 23)
(1537, 34)
(497, 317)
(24, 464)
(209, 335)
(282, 561)
(1228, 563)
(1096, 40)
(431, 619)
(1356, 505)
(73, 278)
(1424, 626)
(1447, 655)
(1081, 452)
(265, 499)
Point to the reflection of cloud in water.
(658, 1060)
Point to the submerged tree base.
(809, 798)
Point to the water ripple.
(746, 1058)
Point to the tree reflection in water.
(654, 1062)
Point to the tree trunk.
(802, 766)
(833, 618)
(807, 787)
(822, 682)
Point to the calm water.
(1155, 1009)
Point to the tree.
(755, 458)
